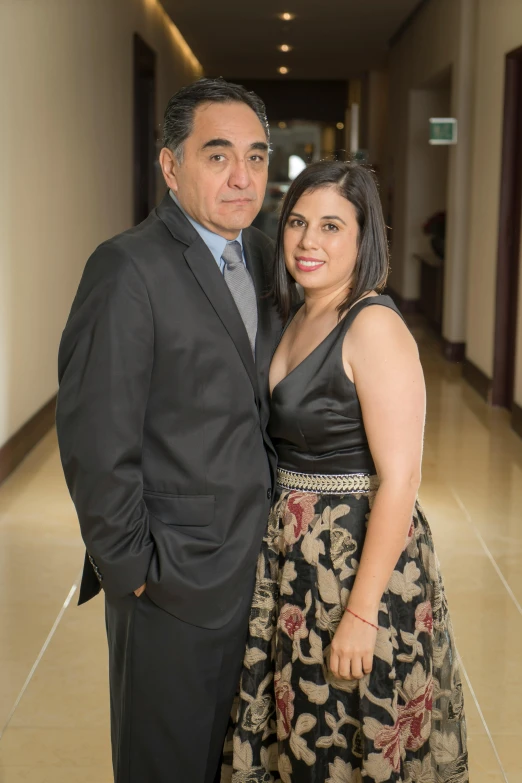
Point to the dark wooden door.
(508, 257)
(144, 129)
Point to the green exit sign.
(443, 130)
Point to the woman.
(350, 671)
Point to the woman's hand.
(352, 648)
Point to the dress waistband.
(342, 484)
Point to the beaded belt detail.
(347, 484)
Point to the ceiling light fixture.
(287, 16)
(340, 126)
(285, 48)
(282, 125)
(283, 69)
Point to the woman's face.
(321, 240)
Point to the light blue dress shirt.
(214, 242)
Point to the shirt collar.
(215, 243)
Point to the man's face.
(221, 180)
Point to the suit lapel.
(205, 270)
(268, 329)
(255, 265)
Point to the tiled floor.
(53, 669)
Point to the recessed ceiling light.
(340, 125)
(283, 69)
(282, 125)
(285, 48)
(287, 16)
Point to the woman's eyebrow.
(333, 217)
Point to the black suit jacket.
(162, 417)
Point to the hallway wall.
(499, 32)
(440, 41)
(426, 163)
(427, 49)
(472, 37)
(378, 112)
(66, 165)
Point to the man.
(162, 415)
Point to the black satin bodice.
(316, 422)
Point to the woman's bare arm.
(383, 357)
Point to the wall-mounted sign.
(443, 130)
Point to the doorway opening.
(294, 144)
(144, 129)
(428, 181)
(508, 248)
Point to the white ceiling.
(332, 39)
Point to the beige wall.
(472, 37)
(377, 132)
(437, 43)
(499, 31)
(428, 48)
(426, 164)
(66, 165)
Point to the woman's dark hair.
(357, 184)
(178, 122)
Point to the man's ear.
(168, 165)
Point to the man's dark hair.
(179, 114)
(356, 183)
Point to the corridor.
(54, 710)
(427, 93)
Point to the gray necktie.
(238, 279)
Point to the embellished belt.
(344, 484)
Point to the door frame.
(144, 127)
(509, 225)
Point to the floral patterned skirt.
(296, 723)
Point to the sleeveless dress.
(296, 723)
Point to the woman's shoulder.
(378, 321)
(374, 307)
(381, 301)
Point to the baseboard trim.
(516, 419)
(406, 306)
(477, 379)
(22, 442)
(453, 352)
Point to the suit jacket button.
(269, 494)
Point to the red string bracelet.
(362, 619)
